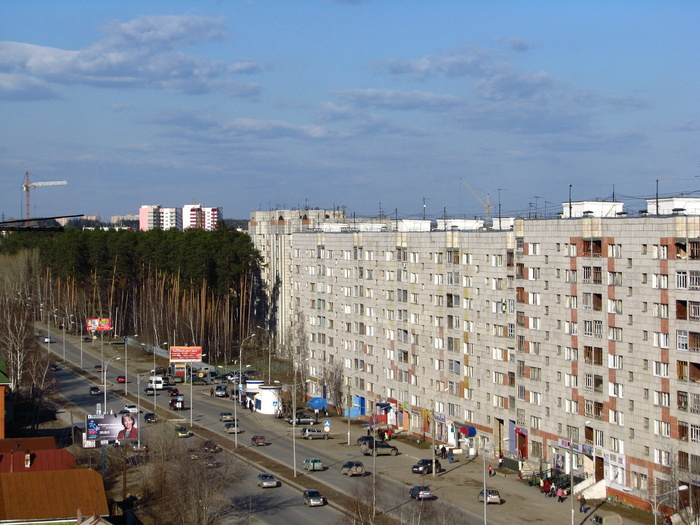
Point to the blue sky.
(367, 105)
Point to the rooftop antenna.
(570, 212)
(424, 199)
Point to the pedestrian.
(500, 462)
(552, 490)
(490, 471)
(542, 485)
(450, 456)
(389, 433)
(443, 452)
(582, 503)
(211, 391)
(560, 495)
(667, 520)
(316, 414)
(369, 431)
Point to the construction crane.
(28, 185)
(487, 203)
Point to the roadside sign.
(327, 423)
(326, 428)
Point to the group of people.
(444, 453)
(550, 490)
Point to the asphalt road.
(457, 486)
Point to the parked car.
(150, 391)
(425, 466)
(312, 464)
(353, 468)
(95, 391)
(365, 440)
(226, 416)
(302, 419)
(121, 379)
(267, 481)
(314, 433)
(493, 496)
(182, 432)
(211, 447)
(87, 339)
(421, 492)
(232, 428)
(379, 447)
(211, 462)
(150, 417)
(131, 408)
(313, 498)
(258, 441)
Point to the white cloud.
(141, 53)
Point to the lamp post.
(81, 345)
(64, 339)
(657, 502)
(192, 394)
(484, 440)
(433, 425)
(294, 421)
(571, 468)
(104, 372)
(138, 403)
(269, 354)
(240, 357)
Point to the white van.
(156, 382)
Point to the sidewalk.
(458, 483)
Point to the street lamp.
(191, 393)
(138, 401)
(269, 355)
(294, 422)
(657, 504)
(104, 372)
(571, 468)
(433, 425)
(64, 339)
(240, 357)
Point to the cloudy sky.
(376, 105)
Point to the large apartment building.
(155, 216)
(571, 342)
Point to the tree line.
(190, 287)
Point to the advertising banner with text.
(98, 325)
(185, 354)
(110, 427)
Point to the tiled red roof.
(39, 460)
(35, 443)
(51, 494)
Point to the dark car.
(150, 391)
(425, 466)
(379, 447)
(302, 419)
(87, 339)
(55, 367)
(95, 391)
(353, 468)
(365, 440)
(172, 392)
(421, 492)
(258, 441)
(98, 368)
(150, 417)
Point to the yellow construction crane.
(28, 185)
(487, 203)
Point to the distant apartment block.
(571, 342)
(189, 216)
(200, 217)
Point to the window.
(662, 399)
(662, 428)
(662, 457)
(660, 369)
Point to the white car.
(131, 408)
(232, 428)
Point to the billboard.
(185, 354)
(111, 427)
(98, 325)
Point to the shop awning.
(317, 403)
(467, 430)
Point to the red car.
(121, 379)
